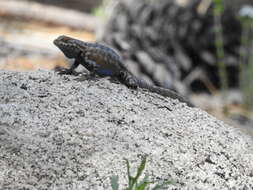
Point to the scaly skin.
(97, 58)
(104, 61)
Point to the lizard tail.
(163, 91)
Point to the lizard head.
(67, 45)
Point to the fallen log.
(48, 14)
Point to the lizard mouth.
(55, 42)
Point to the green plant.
(100, 10)
(246, 57)
(133, 181)
(217, 11)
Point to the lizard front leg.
(82, 59)
(71, 70)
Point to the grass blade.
(140, 168)
(114, 182)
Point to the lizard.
(102, 60)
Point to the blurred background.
(199, 48)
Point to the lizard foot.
(64, 71)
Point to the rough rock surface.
(59, 133)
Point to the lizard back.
(107, 60)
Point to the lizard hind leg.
(129, 80)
